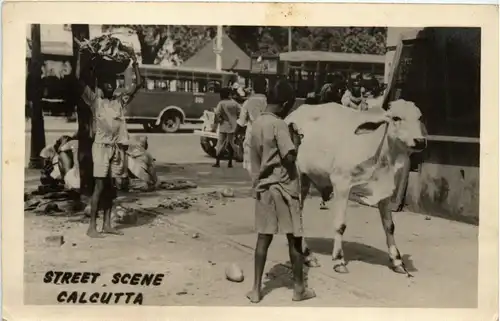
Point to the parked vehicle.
(172, 96)
(209, 134)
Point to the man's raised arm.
(127, 96)
(83, 90)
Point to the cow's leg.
(326, 195)
(339, 207)
(388, 224)
(305, 184)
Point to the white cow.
(342, 148)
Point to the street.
(192, 247)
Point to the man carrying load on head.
(111, 137)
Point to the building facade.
(439, 70)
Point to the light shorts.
(109, 161)
(275, 214)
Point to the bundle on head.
(112, 56)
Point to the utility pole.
(35, 90)
(290, 39)
(218, 49)
(85, 125)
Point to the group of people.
(359, 92)
(269, 147)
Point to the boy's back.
(271, 142)
(228, 110)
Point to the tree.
(85, 120)
(273, 40)
(34, 92)
(165, 42)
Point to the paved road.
(182, 147)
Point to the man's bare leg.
(108, 197)
(300, 291)
(263, 243)
(94, 207)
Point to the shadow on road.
(355, 251)
(280, 276)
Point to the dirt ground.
(193, 264)
(441, 254)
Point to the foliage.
(176, 44)
(272, 40)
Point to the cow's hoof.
(340, 268)
(312, 262)
(400, 269)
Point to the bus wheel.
(171, 122)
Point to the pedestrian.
(353, 96)
(226, 116)
(111, 138)
(251, 109)
(276, 189)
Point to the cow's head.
(405, 125)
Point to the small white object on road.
(234, 273)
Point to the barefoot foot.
(110, 230)
(254, 296)
(93, 233)
(303, 295)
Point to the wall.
(447, 182)
(443, 79)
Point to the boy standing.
(276, 189)
(226, 116)
(111, 138)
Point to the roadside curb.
(357, 291)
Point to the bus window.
(150, 84)
(213, 86)
(160, 84)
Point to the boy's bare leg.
(300, 291)
(94, 207)
(108, 197)
(263, 242)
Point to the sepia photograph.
(181, 151)
(271, 164)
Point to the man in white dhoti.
(251, 109)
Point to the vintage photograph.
(252, 165)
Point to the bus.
(172, 96)
(307, 70)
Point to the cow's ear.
(369, 127)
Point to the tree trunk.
(85, 119)
(35, 90)
(148, 54)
